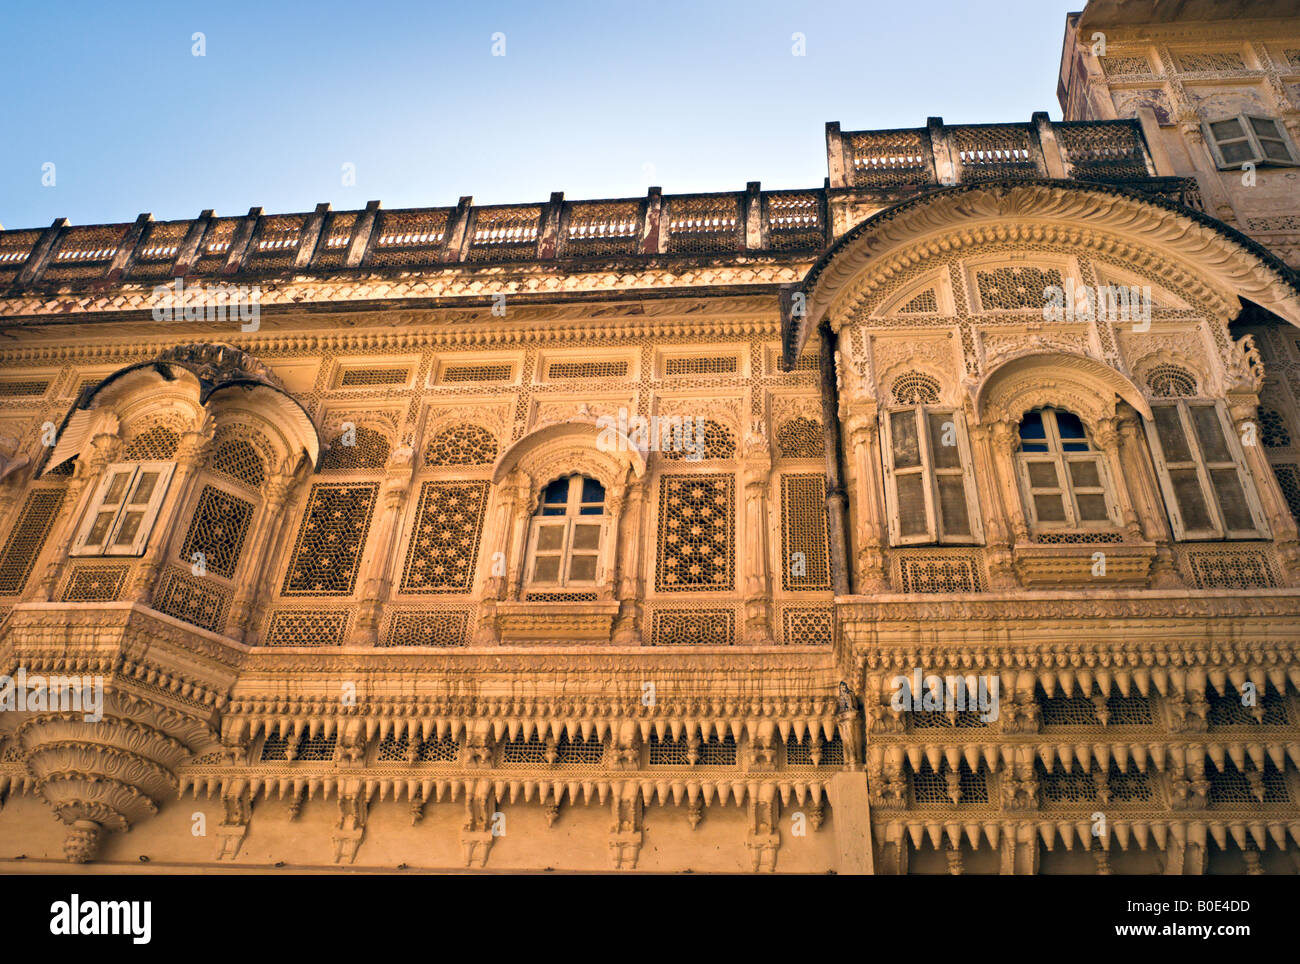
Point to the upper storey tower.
(1216, 87)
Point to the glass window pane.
(1049, 508)
(130, 526)
(1033, 447)
(1191, 501)
(592, 491)
(911, 505)
(1237, 152)
(943, 440)
(586, 537)
(116, 488)
(907, 447)
(1042, 475)
(1084, 475)
(144, 488)
(1264, 127)
(1210, 433)
(1092, 508)
(1275, 150)
(550, 538)
(582, 569)
(1031, 426)
(591, 510)
(952, 505)
(1170, 430)
(1069, 426)
(1225, 129)
(557, 492)
(99, 531)
(546, 569)
(1232, 500)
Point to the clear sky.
(596, 99)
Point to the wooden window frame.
(929, 473)
(1218, 527)
(569, 521)
(1061, 460)
(134, 473)
(1253, 140)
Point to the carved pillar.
(1245, 412)
(757, 476)
(104, 451)
(263, 535)
(864, 457)
(1106, 435)
(169, 527)
(496, 542)
(1146, 497)
(263, 582)
(523, 508)
(1005, 439)
(375, 580)
(627, 630)
(997, 530)
(615, 501)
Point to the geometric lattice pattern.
(929, 787)
(939, 573)
(444, 543)
(25, 541)
(1082, 711)
(800, 438)
(1272, 429)
(1288, 480)
(719, 443)
(360, 377)
(448, 628)
(462, 445)
(805, 542)
(432, 750)
(196, 600)
(1231, 786)
(217, 531)
(305, 628)
(1008, 288)
(813, 753)
(158, 444)
(1231, 569)
(697, 548)
(95, 583)
(1228, 710)
(236, 459)
(923, 302)
(693, 627)
(808, 627)
(369, 451)
(330, 540)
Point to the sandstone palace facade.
(367, 535)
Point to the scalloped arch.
(1083, 385)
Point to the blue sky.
(596, 99)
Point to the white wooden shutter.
(102, 513)
(136, 517)
(908, 496)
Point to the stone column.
(997, 530)
(264, 581)
(496, 538)
(1106, 435)
(376, 578)
(869, 517)
(756, 476)
(1004, 437)
(525, 500)
(1244, 413)
(627, 629)
(614, 505)
(261, 538)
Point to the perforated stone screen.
(330, 541)
(697, 549)
(805, 543)
(217, 531)
(25, 541)
(444, 545)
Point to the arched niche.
(599, 450)
(1079, 384)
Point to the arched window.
(568, 533)
(130, 495)
(929, 491)
(1062, 476)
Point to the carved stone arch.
(1202, 260)
(1163, 357)
(601, 451)
(1082, 385)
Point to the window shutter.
(906, 490)
(584, 552)
(548, 550)
(136, 517)
(955, 497)
(103, 510)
